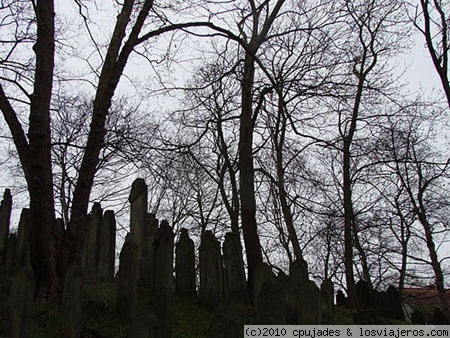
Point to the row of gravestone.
(292, 299)
(374, 304)
(15, 247)
(217, 277)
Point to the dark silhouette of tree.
(435, 28)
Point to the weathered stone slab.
(395, 308)
(309, 304)
(107, 247)
(147, 259)
(10, 249)
(211, 271)
(341, 300)
(127, 281)
(163, 277)
(72, 302)
(290, 288)
(185, 265)
(262, 274)
(95, 222)
(20, 302)
(5, 217)
(234, 273)
(138, 211)
(271, 303)
(298, 271)
(327, 291)
(21, 256)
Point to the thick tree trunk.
(115, 61)
(247, 188)
(39, 174)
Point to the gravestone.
(20, 302)
(10, 249)
(363, 293)
(378, 301)
(5, 216)
(94, 223)
(147, 259)
(211, 271)
(138, 220)
(185, 265)
(309, 304)
(72, 302)
(234, 273)
(127, 281)
(327, 291)
(341, 300)
(21, 256)
(163, 251)
(298, 271)
(395, 309)
(291, 292)
(107, 247)
(271, 303)
(148, 326)
(261, 275)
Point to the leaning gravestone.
(163, 251)
(211, 271)
(309, 304)
(20, 302)
(234, 273)
(185, 265)
(71, 302)
(127, 281)
(148, 326)
(21, 256)
(107, 247)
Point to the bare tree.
(423, 174)
(435, 28)
(132, 28)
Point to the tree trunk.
(348, 220)
(439, 276)
(39, 174)
(247, 189)
(279, 138)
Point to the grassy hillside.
(189, 319)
